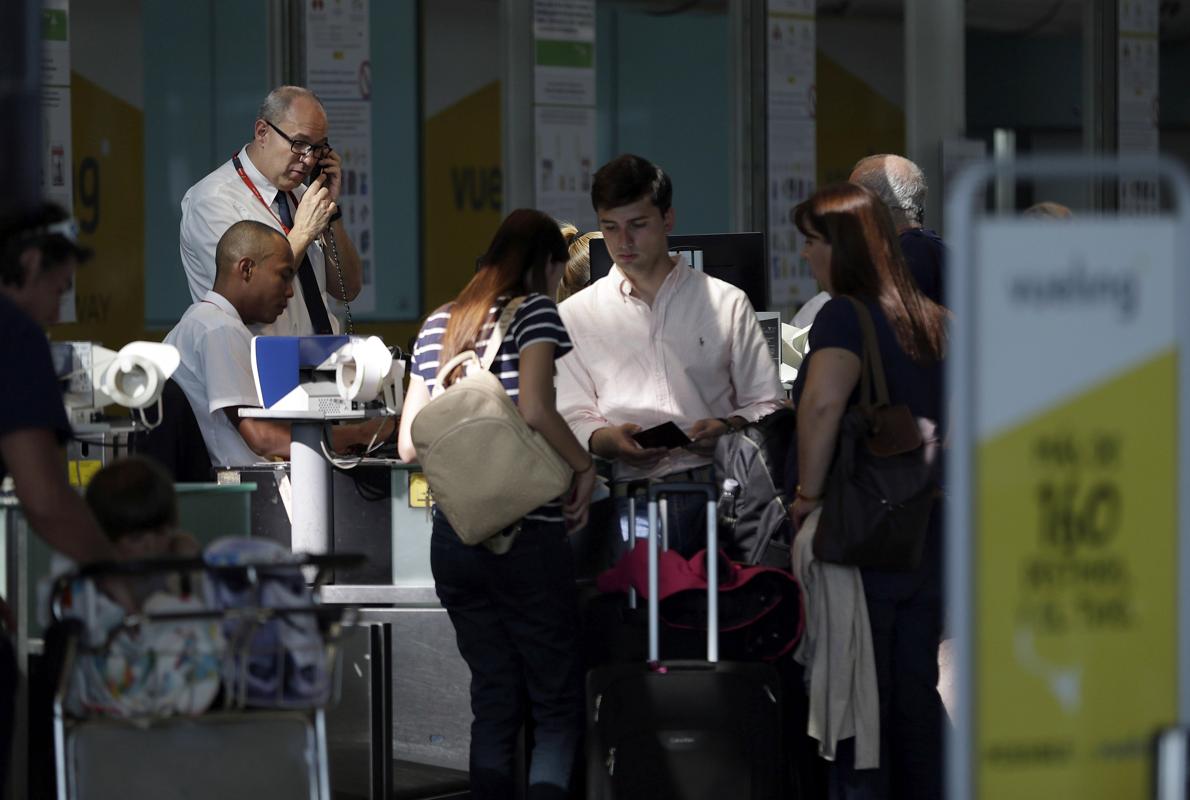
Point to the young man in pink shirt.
(656, 341)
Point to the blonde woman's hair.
(578, 266)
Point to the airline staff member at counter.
(38, 256)
(253, 282)
(264, 181)
(656, 341)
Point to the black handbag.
(883, 482)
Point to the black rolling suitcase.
(684, 730)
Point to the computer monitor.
(737, 258)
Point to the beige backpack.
(486, 467)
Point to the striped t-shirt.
(535, 321)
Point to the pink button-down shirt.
(698, 353)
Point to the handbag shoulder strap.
(873, 363)
(502, 324)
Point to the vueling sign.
(1080, 285)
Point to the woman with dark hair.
(851, 246)
(515, 615)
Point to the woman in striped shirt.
(515, 615)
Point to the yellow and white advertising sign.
(1074, 514)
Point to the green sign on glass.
(551, 53)
(53, 24)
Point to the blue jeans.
(516, 622)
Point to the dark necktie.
(310, 291)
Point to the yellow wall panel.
(853, 121)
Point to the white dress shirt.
(698, 353)
(217, 202)
(216, 373)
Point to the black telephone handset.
(314, 173)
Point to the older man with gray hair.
(901, 185)
(266, 181)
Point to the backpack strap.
(449, 367)
(491, 347)
(503, 323)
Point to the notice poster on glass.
(57, 185)
(792, 163)
(564, 108)
(564, 42)
(565, 147)
(339, 71)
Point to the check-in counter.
(431, 706)
(430, 688)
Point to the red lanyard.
(235, 160)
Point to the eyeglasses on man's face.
(300, 148)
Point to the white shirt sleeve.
(206, 216)
(227, 369)
(754, 377)
(577, 397)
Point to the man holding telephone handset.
(666, 359)
(266, 181)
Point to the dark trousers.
(905, 611)
(516, 621)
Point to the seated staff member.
(253, 282)
(656, 341)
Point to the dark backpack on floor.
(756, 528)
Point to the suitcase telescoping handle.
(656, 491)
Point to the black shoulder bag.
(883, 481)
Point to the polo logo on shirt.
(700, 342)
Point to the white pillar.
(935, 90)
